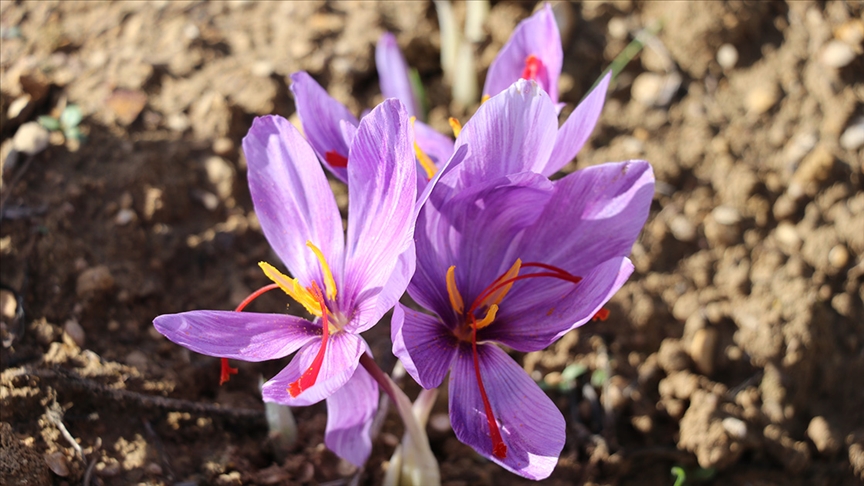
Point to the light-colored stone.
(853, 137)
(761, 98)
(727, 56)
(75, 331)
(124, 217)
(703, 349)
(838, 256)
(8, 305)
(93, 281)
(31, 138)
(824, 437)
(837, 54)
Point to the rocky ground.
(735, 352)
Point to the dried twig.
(55, 415)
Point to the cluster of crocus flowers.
(494, 251)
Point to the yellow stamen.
(453, 292)
(484, 99)
(456, 126)
(424, 159)
(293, 288)
(329, 283)
(496, 297)
(490, 316)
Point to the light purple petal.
(292, 198)
(512, 132)
(340, 360)
(320, 115)
(425, 346)
(245, 336)
(531, 426)
(538, 36)
(537, 312)
(575, 131)
(350, 411)
(393, 74)
(383, 190)
(594, 215)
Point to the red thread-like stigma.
(307, 379)
(601, 315)
(227, 370)
(497, 284)
(335, 159)
(532, 67)
(499, 448)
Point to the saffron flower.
(346, 282)
(533, 52)
(506, 256)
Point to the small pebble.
(823, 436)
(736, 428)
(31, 138)
(75, 331)
(17, 106)
(223, 146)
(682, 229)
(837, 54)
(726, 215)
(702, 349)
(57, 463)
(646, 88)
(727, 56)
(787, 236)
(761, 98)
(8, 305)
(617, 27)
(838, 257)
(94, 281)
(553, 378)
(853, 137)
(124, 217)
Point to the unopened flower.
(346, 282)
(533, 52)
(504, 255)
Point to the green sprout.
(68, 123)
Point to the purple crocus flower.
(504, 255)
(533, 52)
(346, 284)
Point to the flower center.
(313, 300)
(489, 300)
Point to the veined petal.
(512, 132)
(340, 360)
(538, 311)
(393, 74)
(320, 115)
(537, 36)
(424, 345)
(437, 146)
(604, 208)
(350, 411)
(575, 131)
(531, 426)
(292, 198)
(383, 190)
(246, 336)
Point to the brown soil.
(738, 344)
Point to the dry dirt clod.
(57, 463)
(703, 349)
(8, 305)
(31, 138)
(826, 439)
(837, 54)
(853, 137)
(94, 281)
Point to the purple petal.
(538, 36)
(512, 132)
(292, 198)
(350, 411)
(575, 131)
(425, 346)
(383, 190)
(245, 336)
(537, 312)
(340, 360)
(594, 215)
(320, 115)
(393, 74)
(531, 426)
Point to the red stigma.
(499, 448)
(532, 67)
(335, 159)
(601, 315)
(553, 272)
(307, 379)
(227, 371)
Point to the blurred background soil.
(736, 350)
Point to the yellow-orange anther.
(455, 126)
(453, 292)
(496, 296)
(293, 288)
(484, 99)
(490, 316)
(424, 159)
(329, 283)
